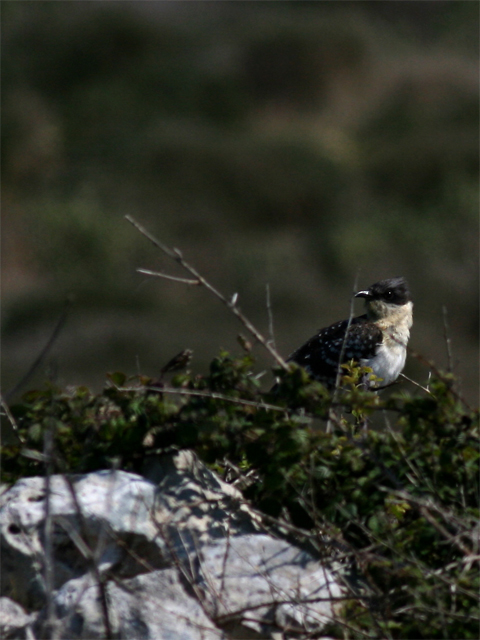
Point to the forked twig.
(176, 255)
(417, 384)
(439, 374)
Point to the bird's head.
(385, 297)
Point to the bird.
(178, 362)
(377, 339)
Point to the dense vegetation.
(388, 490)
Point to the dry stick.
(283, 525)
(11, 419)
(424, 507)
(48, 530)
(206, 394)
(287, 600)
(188, 573)
(416, 384)
(270, 317)
(310, 511)
(176, 255)
(448, 342)
(103, 597)
(340, 359)
(242, 479)
(277, 592)
(81, 541)
(439, 374)
(416, 472)
(43, 353)
(158, 274)
(412, 561)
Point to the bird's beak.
(363, 294)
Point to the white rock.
(265, 583)
(181, 554)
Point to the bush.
(388, 491)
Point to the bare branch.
(157, 274)
(11, 419)
(208, 394)
(439, 374)
(340, 358)
(425, 507)
(44, 352)
(176, 255)
(81, 541)
(448, 342)
(270, 316)
(102, 588)
(48, 528)
(417, 384)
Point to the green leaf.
(117, 378)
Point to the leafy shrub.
(389, 490)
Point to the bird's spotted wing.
(320, 355)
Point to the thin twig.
(99, 579)
(424, 507)
(429, 377)
(43, 353)
(270, 316)
(340, 357)
(167, 277)
(48, 529)
(11, 419)
(417, 384)
(207, 394)
(84, 546)
(439, 374)
(405, 458)
(176, 255)
(305, 600)
(448, 342)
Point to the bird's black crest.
(394, 290)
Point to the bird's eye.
(388, 295)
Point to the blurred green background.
(298, 144)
